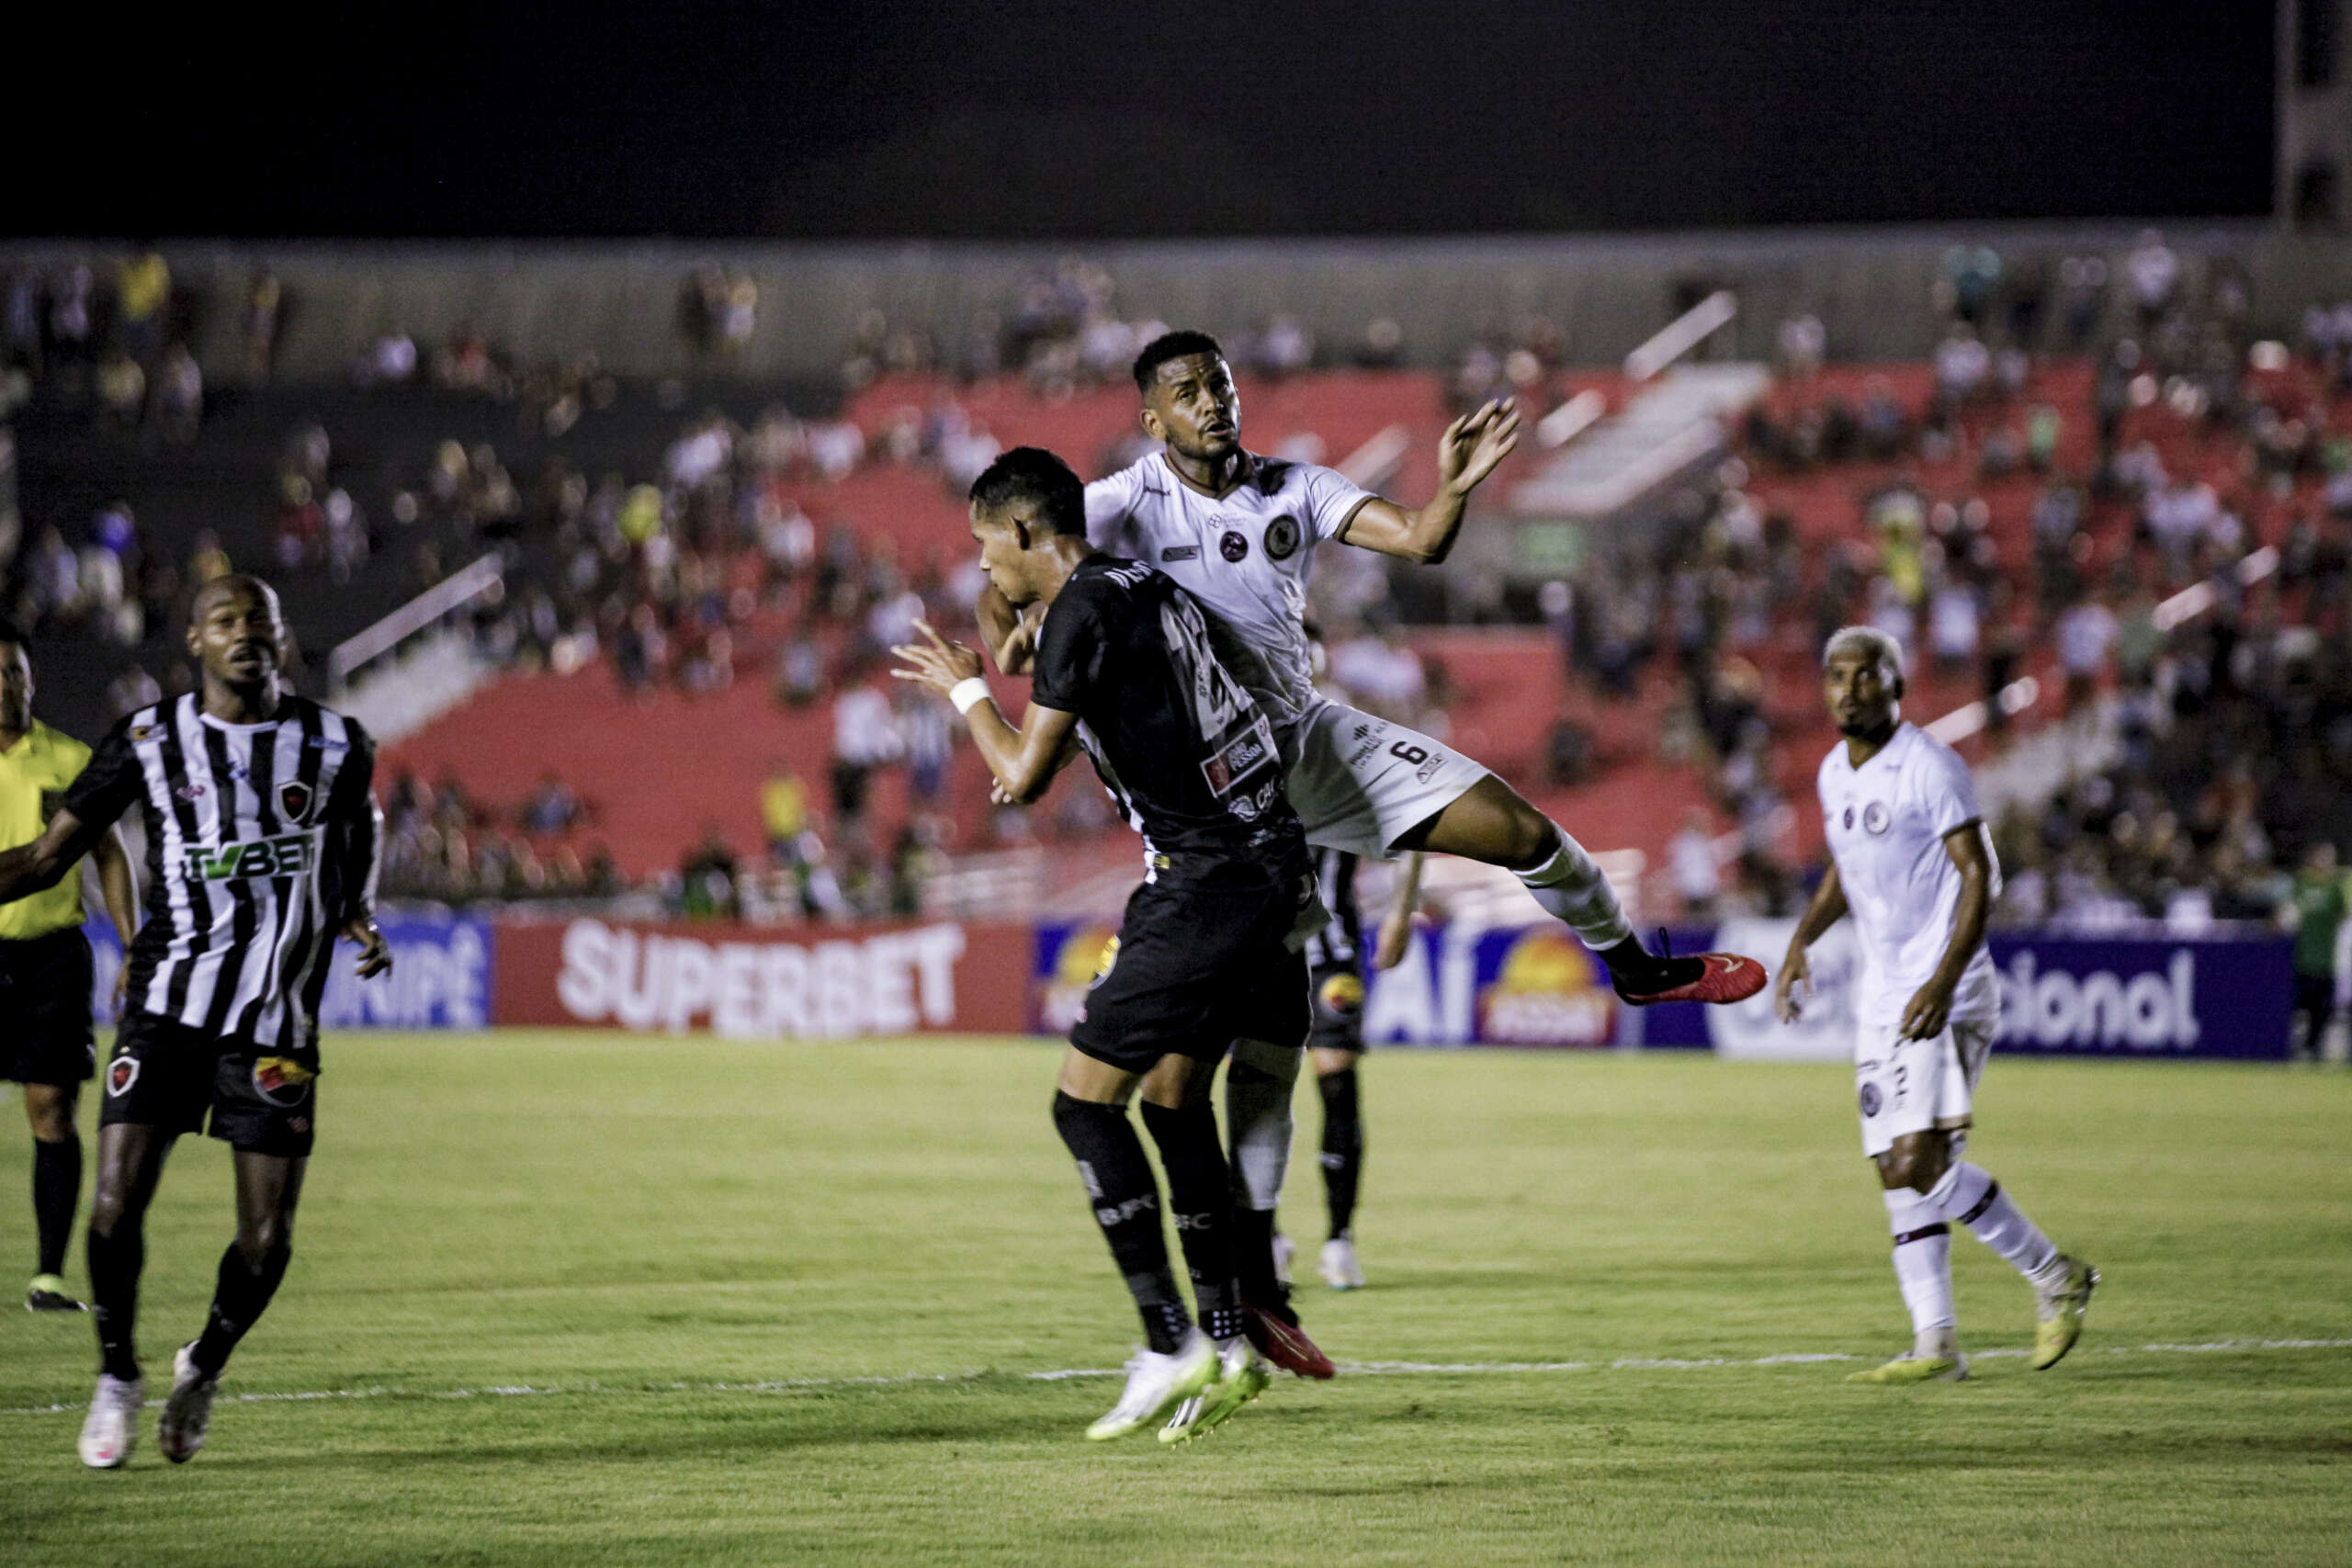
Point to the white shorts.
(1360, 784)
(1912, 1085)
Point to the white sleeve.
(1110, 504)
(1945, 791)
(1332, 499)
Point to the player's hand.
(1796, 970)
(122, 988)
(1474, 444)
(1929, 1007)
(1020, 644)
(375, 952)
(939, 665)
(1396, 936)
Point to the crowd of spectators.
(701, 569)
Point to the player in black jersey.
(261, 849)
(1129, 669)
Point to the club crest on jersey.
(1876, 818)
(121, 1073)
(190, 792)
(294, 801)
(140, 732)
(1871, 1099)
(281, 1080)
(1232, 547)
(1281, 538)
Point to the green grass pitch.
(585, 1299)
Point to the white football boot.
(113, 1422)
(1156, 1383)
(187, 1409)
(1337, 1265)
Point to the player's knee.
(1518, 837)
(265, 1245)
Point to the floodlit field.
(585, 1299)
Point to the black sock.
(240, 1295)
(115, 1262)
(1342, 1157)
(1126, 1201)
(57, 1187)
(1637, 968)
(1200, 1191)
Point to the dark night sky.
(1091, 121)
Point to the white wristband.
(966, 692)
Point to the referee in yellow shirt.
(45, 1042)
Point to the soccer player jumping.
(1237, 531)
(1128, 668)
(1911, 862)
(261, 837)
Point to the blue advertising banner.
(1458, 986)
(440, 978)
(2061, 994)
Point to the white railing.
(1682, 334)
(460, 587)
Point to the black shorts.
(264, 1099)
(1339, 1009)
(1197, 969)
(45, 1009)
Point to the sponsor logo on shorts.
(1871, 1099)
(1341, 994)
(1232, 547)
(1281, 538)
(288, 854)
(294, 801)
(1180, 552)
(281, 1080)
(1876, 818)
(121, 1073)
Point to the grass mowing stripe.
(1064, 1374)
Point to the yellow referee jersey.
(33, 776)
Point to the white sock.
(1922, 1270)
(1258, 1090)
(1969, 1195)
(1571, 888)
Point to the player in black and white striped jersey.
(262, 848)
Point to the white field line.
(1352, 1368)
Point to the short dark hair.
(1167, 346)
(1032, 473)
(11, 632)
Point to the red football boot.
(1722, 977)
(1285, 1344)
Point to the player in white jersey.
(1911, 862)
(1238, 531)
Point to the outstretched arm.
(1024, 759)
(32, 868)
(1467, 454)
